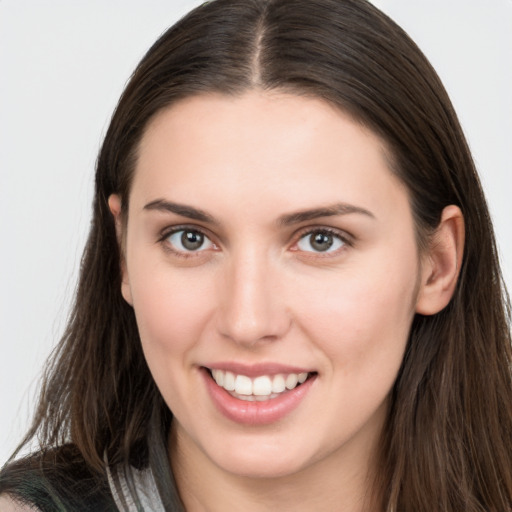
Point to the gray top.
(145, 489)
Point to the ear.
(441, 264)
(114, 203)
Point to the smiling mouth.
(258, 389)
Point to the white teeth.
(278, 384)
(229, 381)
(260, 388)
(218, 375)
(291, 380)
(243, 385)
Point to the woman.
(290, 295)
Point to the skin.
(258, 291)
(9, 505)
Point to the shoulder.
(54, 480)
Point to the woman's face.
(268, 242)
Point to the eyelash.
(164, 240)
(345, 239)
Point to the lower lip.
(256, 413)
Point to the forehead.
(287, 148)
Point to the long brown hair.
(447, 445)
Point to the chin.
(261, 460)
(257, 468)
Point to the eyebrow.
(284, 220)
(328, 211)
(180, 209)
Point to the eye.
(189, 240)
(320, 241)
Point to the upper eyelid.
(165, 233)
(169, 230)
(341, 233)
(345, 236)
(169, 248)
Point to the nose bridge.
(251, 308)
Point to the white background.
(63, 66)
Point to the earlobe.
(114, 204)
(441, 265)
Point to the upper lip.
(254, 370)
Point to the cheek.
(171, 315)
(361, 317)
(170, 310)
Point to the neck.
(340, 482)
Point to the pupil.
(322, 241)
(192, 240)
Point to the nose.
(252, 308)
